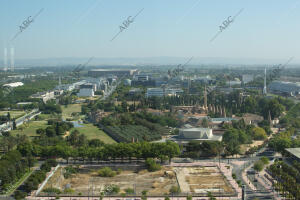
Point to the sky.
(266, 29)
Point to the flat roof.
(294, 151)
(195, 129)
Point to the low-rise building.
(195, 134)
(293, 153)
(45, 96)
(87, 90)
(160, 92)
(15, 84)
(155, 92)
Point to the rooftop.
(294, 151)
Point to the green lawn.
(67, 111)
(30, 128)
(93, 132)
(13, 113)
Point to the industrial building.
(285, 88)
(160, 92)
(116, 72)
(155, 92)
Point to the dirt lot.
(154, 182)
(191, 179)
(201, 180)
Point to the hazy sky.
(183, 28)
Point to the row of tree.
(287, 179)
(12, 167)
(107, 152)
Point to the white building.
(127, 82)
(155, 92)
(45, 96)
(141, 77)
(198, 134)
(15, 84)
(160, 92)
(87, 90)
(173, 91)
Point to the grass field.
(93, 132)
(30, 128)
(13, 114)
(67, 111)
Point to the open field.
(13, 113)
(194, 179)
(69, 109)
(93, 132)
(30, 128)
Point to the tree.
(8, 116)
(50, 131)
(40, 131)
(204, 122)
(211, 197)
(152, 165)
(231, 139)
(258, 166)
(259, 133)
(265, 160)
(19, 195)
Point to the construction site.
(195, 180)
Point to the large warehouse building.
(287, 88)
(116, 72)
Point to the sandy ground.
(196, 179)
(89, 181)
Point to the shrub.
(234, 176)
(106, 172)
(265, 160)
(119, 171)
(258, 166)
(174, 190)
(151, 165)
(52, 190)
(111, 189)
(129, 191)
(69, 191)
(19, 195)
(69, 171)
(189, 197)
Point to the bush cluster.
(151, 165)
(107, 172)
